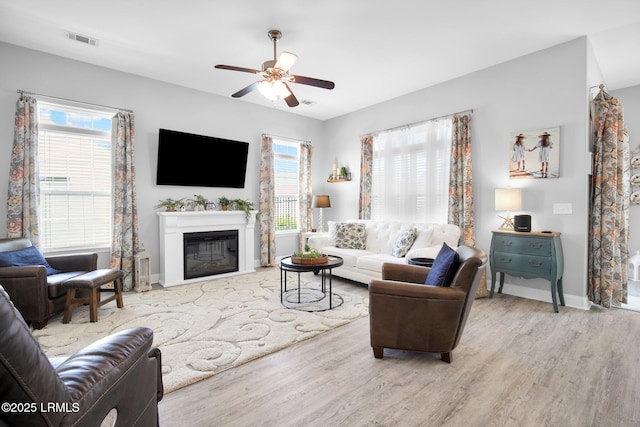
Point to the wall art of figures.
(534, 154)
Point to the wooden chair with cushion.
(36, 290)
(407, 314)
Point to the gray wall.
(545, 89)
(156, 105)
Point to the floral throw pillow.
(350, 235)
(404, 242)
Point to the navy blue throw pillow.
(25, 256)
(444, 267)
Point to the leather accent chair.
(406, 314)
(36, 295)
(121, 371)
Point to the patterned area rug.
(207, 327)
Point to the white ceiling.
(373, 50)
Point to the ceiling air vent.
(82, 38)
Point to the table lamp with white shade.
(508, 199)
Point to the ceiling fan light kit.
(275, 73)
(274, 90)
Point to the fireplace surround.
(173, 227)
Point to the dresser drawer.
(525, 264)
(524, 245)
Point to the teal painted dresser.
(530, 255)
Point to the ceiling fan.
(276, 76)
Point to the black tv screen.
(203, 161)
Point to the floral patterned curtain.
(460, 210)
(306, 214)
(24, 177)
(126, 238)
(266, 204)
(366, 167)
(609, 205)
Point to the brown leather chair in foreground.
(406, 314)
(36, 295)
(121, 371)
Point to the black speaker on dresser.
(522, 222)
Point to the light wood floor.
(518, 364)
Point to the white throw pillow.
(403, 242)
(424, 238)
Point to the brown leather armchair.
(406, 314)
(120, 373)
(36, 295)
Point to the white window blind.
(410, 175)
(75, 177)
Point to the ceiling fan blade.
(291, 100)
(246, 90)
(325, 84)
(286, 61)
(233, 68)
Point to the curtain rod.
(470, 111)
(286, 138)
(25, 92)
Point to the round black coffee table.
(311, 297)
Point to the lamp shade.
(508, 199)
(321, 201)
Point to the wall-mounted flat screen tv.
(203, 161)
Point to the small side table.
(142, 269)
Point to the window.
(410, 174)
(287, 185)
(75, 176)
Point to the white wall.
(545, 89)
(156, 105)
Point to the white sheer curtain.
(410, 174)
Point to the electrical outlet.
(563, 208)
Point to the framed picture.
(535, 154)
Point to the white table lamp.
(508, 199)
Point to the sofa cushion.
(350, 235)
(373, 262)
(404, 242)
(349, 256)
(25, 257)
(444, 267)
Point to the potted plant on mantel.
(224, 203)
(199, 203)
(236, 205)
(170, 204)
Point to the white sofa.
(362, 265)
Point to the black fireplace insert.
(209, 253)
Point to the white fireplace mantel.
(174, 224)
